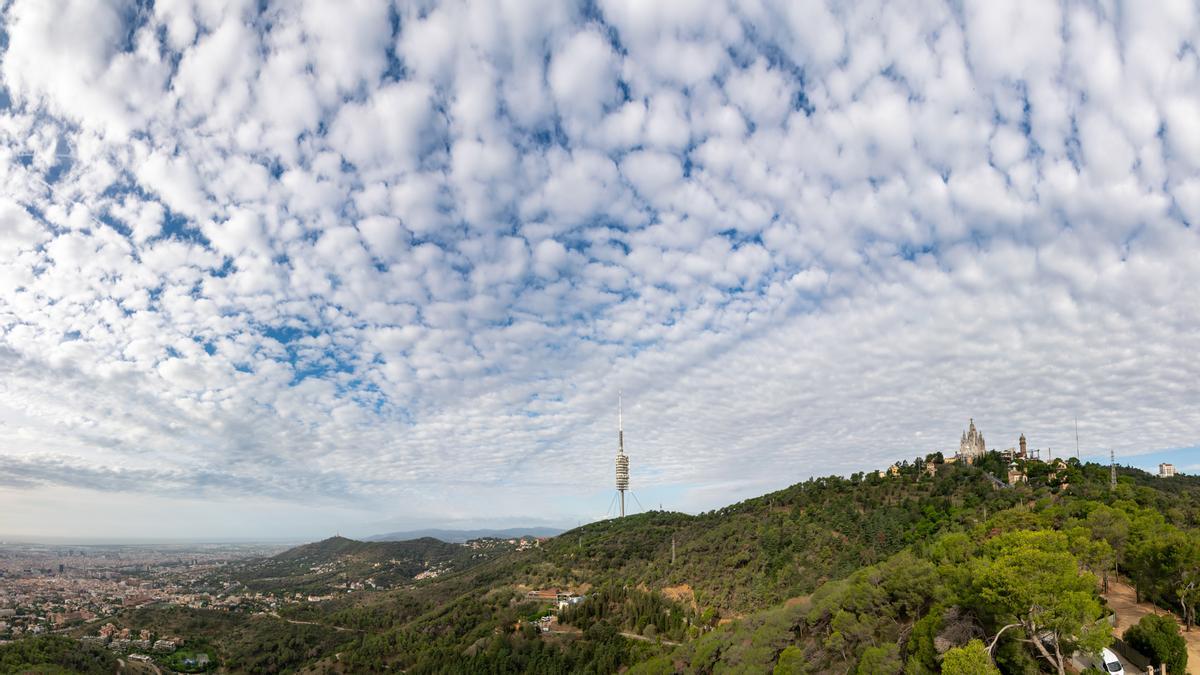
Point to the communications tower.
(622, 458)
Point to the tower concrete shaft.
(622, 458)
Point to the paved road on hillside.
(1081, 661)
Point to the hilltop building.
(1057, 467)
(1016, 474)
(891, 471)
(1022, 452)
(971, 446)
(1166, 470)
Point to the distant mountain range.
(460, 536)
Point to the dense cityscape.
(50, 588)
(73, 589)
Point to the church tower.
(972, 444)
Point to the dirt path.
(1121, 599)
(643, 638)
(339, 629)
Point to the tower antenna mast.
(1077, 437)
(1112, 469)
(622, 459)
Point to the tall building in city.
(622, 458)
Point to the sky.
(286, 269)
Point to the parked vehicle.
(1109, 663)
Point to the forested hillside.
(55, 655)
(940, 568)
(765, 550)
(327, 565)
(871, 574)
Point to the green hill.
(865, 573)
(333, 563)
(340, 548)
(861, 574)
(54, 655)
(765, 550)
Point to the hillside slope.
(764, 550)
(337, 562)
(866, 573)
(463, 536)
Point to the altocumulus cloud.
(377, 254)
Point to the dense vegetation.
(630, 609)
(944, 544)
(941, 568)
(325, 566)
(53, 654)
(1158, 638)
(1023, 581)
(905, 613)
(781, 545)
(259, 644)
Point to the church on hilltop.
(971, 447)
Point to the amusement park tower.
(622, 458)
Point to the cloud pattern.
(378, 253)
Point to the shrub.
(970, 659)
(1158, 638)
(880, 660)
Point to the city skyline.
(290, 270)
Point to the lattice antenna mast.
(1112, 469)
(622, 459)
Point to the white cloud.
(68, 55)
(376, 260)
(214, 77)
(386, 131)
(550, 257)
(651, 172)
(583, 77)
(175, 180)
